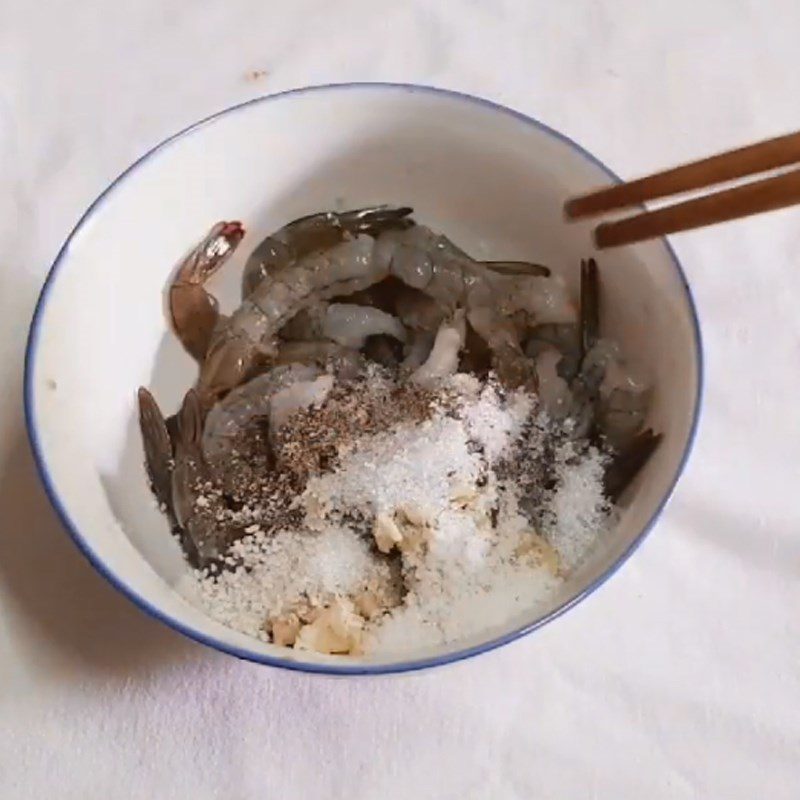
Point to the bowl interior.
(491, 180)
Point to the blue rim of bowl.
(336, 669)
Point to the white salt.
(471, 559)
(417, 466)
(578, 509)
(282, 570)
(454, 599)
(493, 425)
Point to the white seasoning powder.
(578, 509)
(494, 425)
(282, 570)
(456, 603)
(447, 520)
(417, 466)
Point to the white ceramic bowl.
(495, 181)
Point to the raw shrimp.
(585, 387)
(194, 311)
(249, 334)
(543, 299)
(435, 266)
(417, 256)
(430, 262)
(198, 518)
(594, 356)
(323, 295)
(602, 391)
(316, 232)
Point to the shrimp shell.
(193, 310)
(316, 232)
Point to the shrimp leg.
(517, 268)
(314, 233)
(193, 310)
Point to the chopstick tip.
(600, 236)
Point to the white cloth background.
(678, 679)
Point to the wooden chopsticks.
(767, 194)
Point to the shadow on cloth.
(57, 592)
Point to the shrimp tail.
(190, 420)
(157, 447)
(626, 463)
(211, 253)
(196, 522)
(193, 310)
